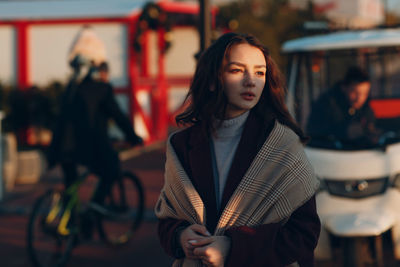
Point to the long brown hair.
(206, 96)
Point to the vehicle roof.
(344, 40)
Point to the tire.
(356, 252)
(367, 251)
(350, 255)
(46, 247)
(125, 204)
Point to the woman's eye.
(235, 70)
(260, 73)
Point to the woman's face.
(244, 78)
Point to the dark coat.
(266, 245)
(81, 132)
(331, 119)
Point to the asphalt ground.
(143, 250)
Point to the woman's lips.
(248, 96)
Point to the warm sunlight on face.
(244, 78)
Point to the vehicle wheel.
(351, 255)
(125, 204)
(46, 246)
(378, 251)
(367, 251)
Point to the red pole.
(159, 94)
(132, 69)
(145, 57)
(22, 55)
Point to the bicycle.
(56, 222)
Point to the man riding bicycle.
(81, 136)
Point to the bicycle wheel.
(46, 246)
(125, 206)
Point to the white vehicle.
(359, 200)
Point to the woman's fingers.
(200, 252)
(212, 250)
(205, 255)
(200, 229)
(189, 245)
(194, 236)
(189, 252)
(201, 241)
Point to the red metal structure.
(137, 64)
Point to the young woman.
(239, 190)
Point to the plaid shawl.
(279, 180)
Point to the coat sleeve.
(168, 228)
(120, 118)
(167, 233)
(277, 244)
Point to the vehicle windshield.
(320, 73)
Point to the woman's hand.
(191, 235)
(212, 250)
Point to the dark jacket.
(332, 119)
(266, 245)
(81, 132)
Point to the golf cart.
(359, 199)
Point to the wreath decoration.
(153, 17)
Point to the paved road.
(144, 250)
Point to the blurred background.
(151, 49)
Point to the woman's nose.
(248, 80)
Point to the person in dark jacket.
(342, 116)
(239, 190)
(81, 134)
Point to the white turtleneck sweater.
(225, 141)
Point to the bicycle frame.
(56, 217)
(73, 202)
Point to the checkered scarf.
(279, 180)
